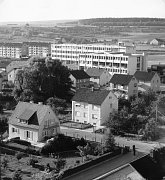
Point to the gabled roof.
(95, 97)
(144, 76)
(25, 111)
(16, 65)
(94, 72)
(4, 64)
(160, 40)
(80, 74)
(121, 79)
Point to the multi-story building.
(41, 49)
(114, 58)
(69, 54)
(10, 50)
(93, 106)
(115, 63)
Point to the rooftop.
(95, 97)
(94, 72)
(80, 74)
(121, 79)
(144, 76)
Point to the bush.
(20, 155)
(32, 162)
(17, 175)
(29, 150)
(62, 143)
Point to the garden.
(53, 160)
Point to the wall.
(104, 78)
(20, 133)
(133, 87)
(108, 106)
(155, 83)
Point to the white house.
(126, 84)
(32, 122)
(99, 76)
(93, 106)
(148, 80)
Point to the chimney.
(40, 103)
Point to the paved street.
(104, 167)
(89, 135)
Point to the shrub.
(17, 175)
(19, 155)
(20, 141)
(4, 162)
(32, 162)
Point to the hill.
(123, 22)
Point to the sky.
(37, 10)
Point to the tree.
(4, 162)
(41, 80)
(150, 131)
(109, 141)
(56, 104)
(84, 151)
(1, 109)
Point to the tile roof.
(121, 79)
(22, 107)
(16, 65)
(95, 97)
(4, 64)
(144, 76)
(40, 44)
(95, 72)
(80, 74)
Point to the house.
(126, 84)
(4, 64)
(93, 106)
(99, 76)
(148, 80)
(157, 41)
(32, 122)
(79, 78)
(13, 68)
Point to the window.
(85, 106)
(85, 122)
(135, 85)
(111, 105)
(94, 107)
(77, 120)
(94, 124)
(85, 115)
(110, 97)
(14, 130)
(77, 113)
(77, 105)
(94, 116)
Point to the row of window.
(94, 107)
(85, 115)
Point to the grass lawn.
(76, 125)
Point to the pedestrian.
(134, 150)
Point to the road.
(89, 135)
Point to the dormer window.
(22, 121)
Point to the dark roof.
(144, 76)
(27, 114)
(80, 74)
(40, 44)
(11, 44)
(4, 64)
(121, 79)
(160, 40)
(94, 72)
(92, 97)
(147, 168)
(29, 109)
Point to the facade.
(114, 63)
(79, 78)
(10, 50)
(99, 76)
(41, 49)
(127, 85)
(148, 80)
(93, 106)
(32, 122)
(69, 54)
(160, 70)
(13, 68)
(1, 81)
